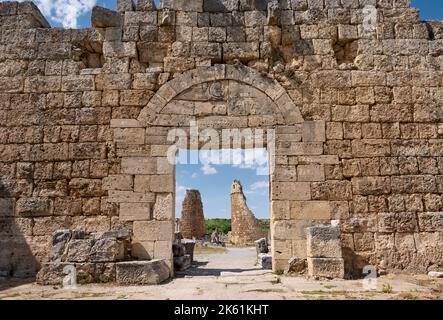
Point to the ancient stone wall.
(353, 89)
(192, 222)
(245, 227)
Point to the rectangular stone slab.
(326, 267)
(142, 272)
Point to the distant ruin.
(245, 227)
(192, 222)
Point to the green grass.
(329, 286)
(387, 288)
(322, 292)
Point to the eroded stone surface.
(246, 229)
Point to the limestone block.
(314, 131)
(78, 83)
(47, 225)
(118, 182)
(163, 250)
(289, 230)
(145, 5)
(135, 211)
(85, 187)
(241, 50)
(430, 221)
(397, 222)
(310, 210)
(53, 273)
(331, 190)
(107, 250)
(300, 148)
(358, 113)
(164, 207)
(185, 5)
(34, 207)
(142, 272)
(154, 230)
(291, 191)
(220, 5)
(414, 184)
(164, 166)
(280, 210)
(78, 250)
(129, 135)
(311, 172)
(323, 242)
(285, 173)
(138, 165)
(326, 267)
(371, 185)
(129, 197)
(125, 5)
(162, 183)
(105, 18)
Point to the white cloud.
(208, 169)
(194, 175)
(65, 12)
(180, 194)
(259, 185)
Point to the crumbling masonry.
(192, 222)
(246, 229)
(353, 89)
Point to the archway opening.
(223, 205)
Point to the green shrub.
(223, 225)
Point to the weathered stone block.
(107, 250)
(34, 207)
(291, 191)
(323, 242)
(311, 172)
(135, 211)
(314, 131)
(371, 185)
(264, 261)
(182, 263)
(153, 230)
(326, 267)
(139, 165)
(105, 18)
(142, 272)
(78, 250)
(310, 210)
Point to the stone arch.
(285, 107)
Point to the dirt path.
(234, 275)
(234, 260)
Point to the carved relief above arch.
(218, 94)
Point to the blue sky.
(77, 13)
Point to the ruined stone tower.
(192, 224)
(245, 227)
